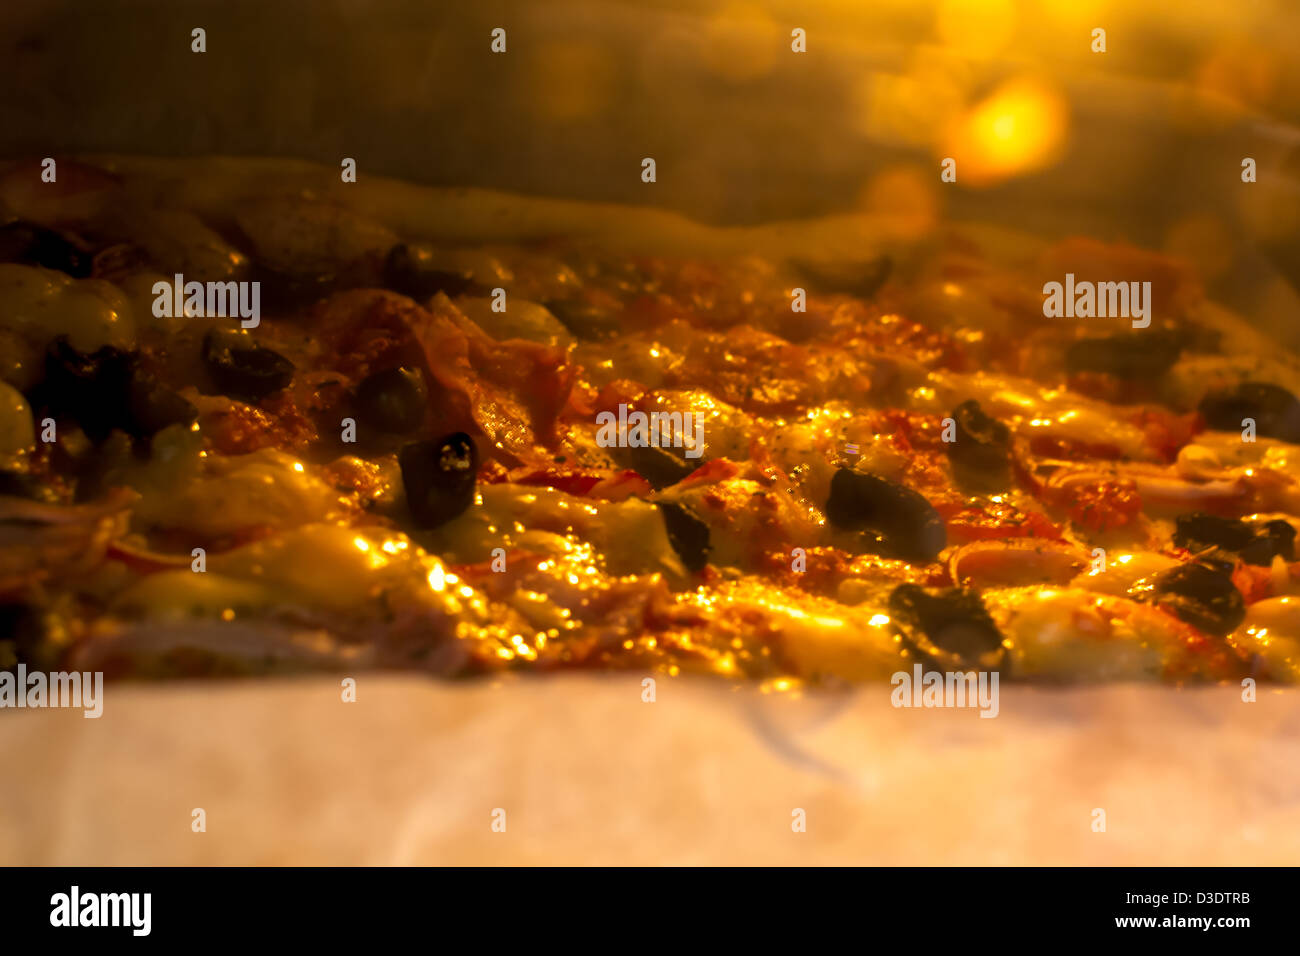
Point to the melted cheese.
(17, 431)
(746, 518)
(520, 320)
(318, 567)
(1070, 634)
(1123, 570)
(332, 566)
(224, 495)
(1031, 410)
(180, 595)
(41, 304)
(814, 637)
(629, 535)
(1212, 452)
(1271, 634)
(727, 430)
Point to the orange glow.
(1021, 127)
(906, 197)
(741, 42)
(976, 28)
(572, 80)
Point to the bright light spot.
(879, 620)
(1021, 127)
(438, 578)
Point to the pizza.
(253, 420)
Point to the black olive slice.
(951, 628)
(661, 467)
(688, 535)
(1200, 593)
(243, 369)
(394, 400)
(30, 244)
(409, 269)
(981, 455)
(1276, 411)
(93, 388)
(439, 477)
(903, 523)
(1199, 531)
(1276, 538)
(1256, 545)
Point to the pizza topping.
(1269, 637)
(1255, 545)
(660, 466)
(410, 269)
(189, 498)
(1199, 530)
(801, 554)
(1094, 500)
(688, 534)
(242, 368)
(20, 484)
(902, 521)
(17, 434)
(1200, 593)
(392, 400)
(1276, 539)
(41, 541)
(1121, 571)
(1275, 411)
(1145, 354)
(439, 478)
(981, 454)
(153, 406)
(951, 628)
(1015, 562)
(93, 389)
(34, 245)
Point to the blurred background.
(1142, 142)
